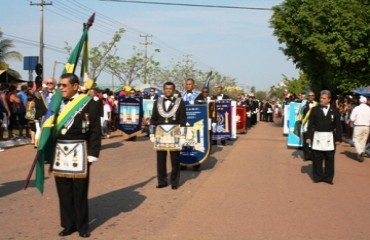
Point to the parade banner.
(293, 139)
(197, 143)
(148, 110)
(233, 120)
(241, 119)
(222, 128)
(286, 120)
(130, 112)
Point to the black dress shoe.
(329, 182)
(67, 232)
(85, 235)
(174, 187)
(162, 186)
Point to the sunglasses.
(311, 95)
(49, 83)
(205, 92)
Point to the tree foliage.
(298, 85)
(260, 95)
(133, 68)
(328, 40)
(6, 54)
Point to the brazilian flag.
(46, 146)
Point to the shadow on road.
(350, 155)
(307, 170)
(13, 187)
(111, 145)
(297, 154)
(109, 205)
(188, 173)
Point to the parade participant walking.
(190, 94)
(48, 92)
(324, 132)
(82, 116)
(360, 117)
(168, 110)
(306, 112)
(204, 96)
(152, 94)
(220, 95)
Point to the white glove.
(152, 138)
(92, 159)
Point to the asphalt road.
(253, 188)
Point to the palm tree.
(6, 54)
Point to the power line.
(191, 5)
(34, 43)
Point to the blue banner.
(130, 112)
(294, 138)
(197, 146)
(222, 128)
(148, 110)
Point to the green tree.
(6, 54)
(297, 85)
(328, 40)
(260, 95)
(102, 56)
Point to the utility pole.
(146, 43)
(41, 4)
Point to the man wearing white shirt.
(360, 117)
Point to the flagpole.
(31, 170)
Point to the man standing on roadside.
(360, 117)
(324, 133)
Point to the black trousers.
(307, 152)
(73, 203)
(323, 165)
(162, 167)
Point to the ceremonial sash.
(71, 109)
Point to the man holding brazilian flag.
(70, 139)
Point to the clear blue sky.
(237, 43)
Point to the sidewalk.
(14, 142)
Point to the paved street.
(254, 188)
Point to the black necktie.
(324, 107)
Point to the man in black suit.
(220, 96)
(324, 133)
(84, 124)
(152, 95)
(168, 110)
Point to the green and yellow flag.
(46, 146)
